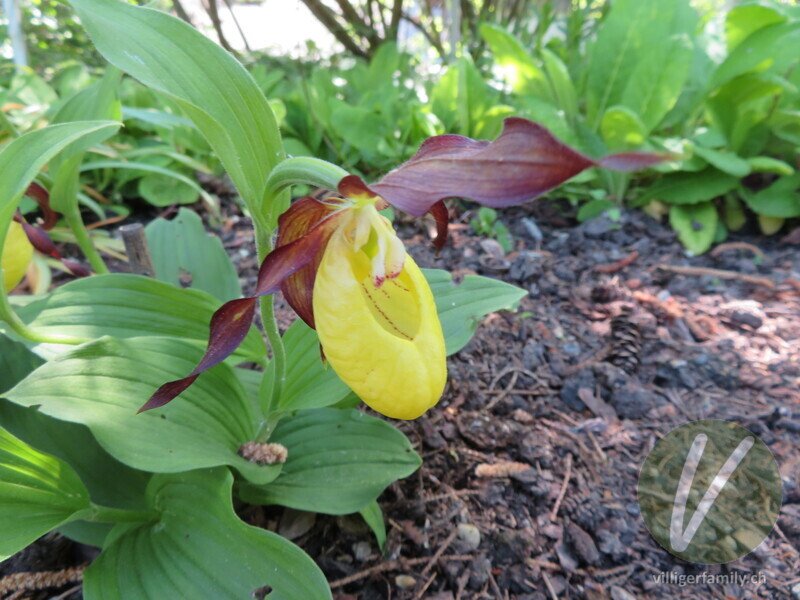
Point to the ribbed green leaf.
(37, 494)
(780, 200)
(214, 90)
(339, 461)
(16, 361)
(182, 246)
(126, 306)
(103, 383)
(461, 308)
(200, 549)
(696, 225)
(690, 188)
(309, 384)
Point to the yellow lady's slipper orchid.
(344, 271)
(17, 255)
(376, 318)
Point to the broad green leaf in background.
(373, 516)
(630, 61)
(727, 162)
(339, 461)
(768, 164)
(214, 90)
(658, 78)
(200, 549)
(595, 208)
(690, 188)
(24, 157)
(696, 225)
(163, 172)
(37, 494)
(358, 126)
(126, 306)
(773, 47)
(462, 307)
(520, 69)
(622, 128)
(779, 200)
(16, 361)
(742, 21)
(739, 106)
(561, 82)
(103, 384)
(183, 247)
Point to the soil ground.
(531, 459)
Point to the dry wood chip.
(501, 469)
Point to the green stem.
(302, 169)
(8, 315)
(269, 394)
(291, 171)
(73, 218)
(106, 514)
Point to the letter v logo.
(679, 538)
(710, 491)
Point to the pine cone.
(626, 343)
(605, 292)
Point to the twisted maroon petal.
(42, 197)
(525, 161)
(42, 243)
(295, 223)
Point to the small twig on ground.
(617, 266)
(445, 545)
(501, 469)
(425, 587)
(393, 565)
(549, 586)
(495, 587)
(738, 246)
(763, 281)
(505, 392)
(68, 593)
(563, 491)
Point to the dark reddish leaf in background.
(525, 161)
(39, 239)
(42, 198)
(442, 216)
(295, 223)
(76, 269)
(42, 242)
(229, 327)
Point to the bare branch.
(328, 18)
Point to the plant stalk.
(106, 514)
(72, 216)
(16, 324)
